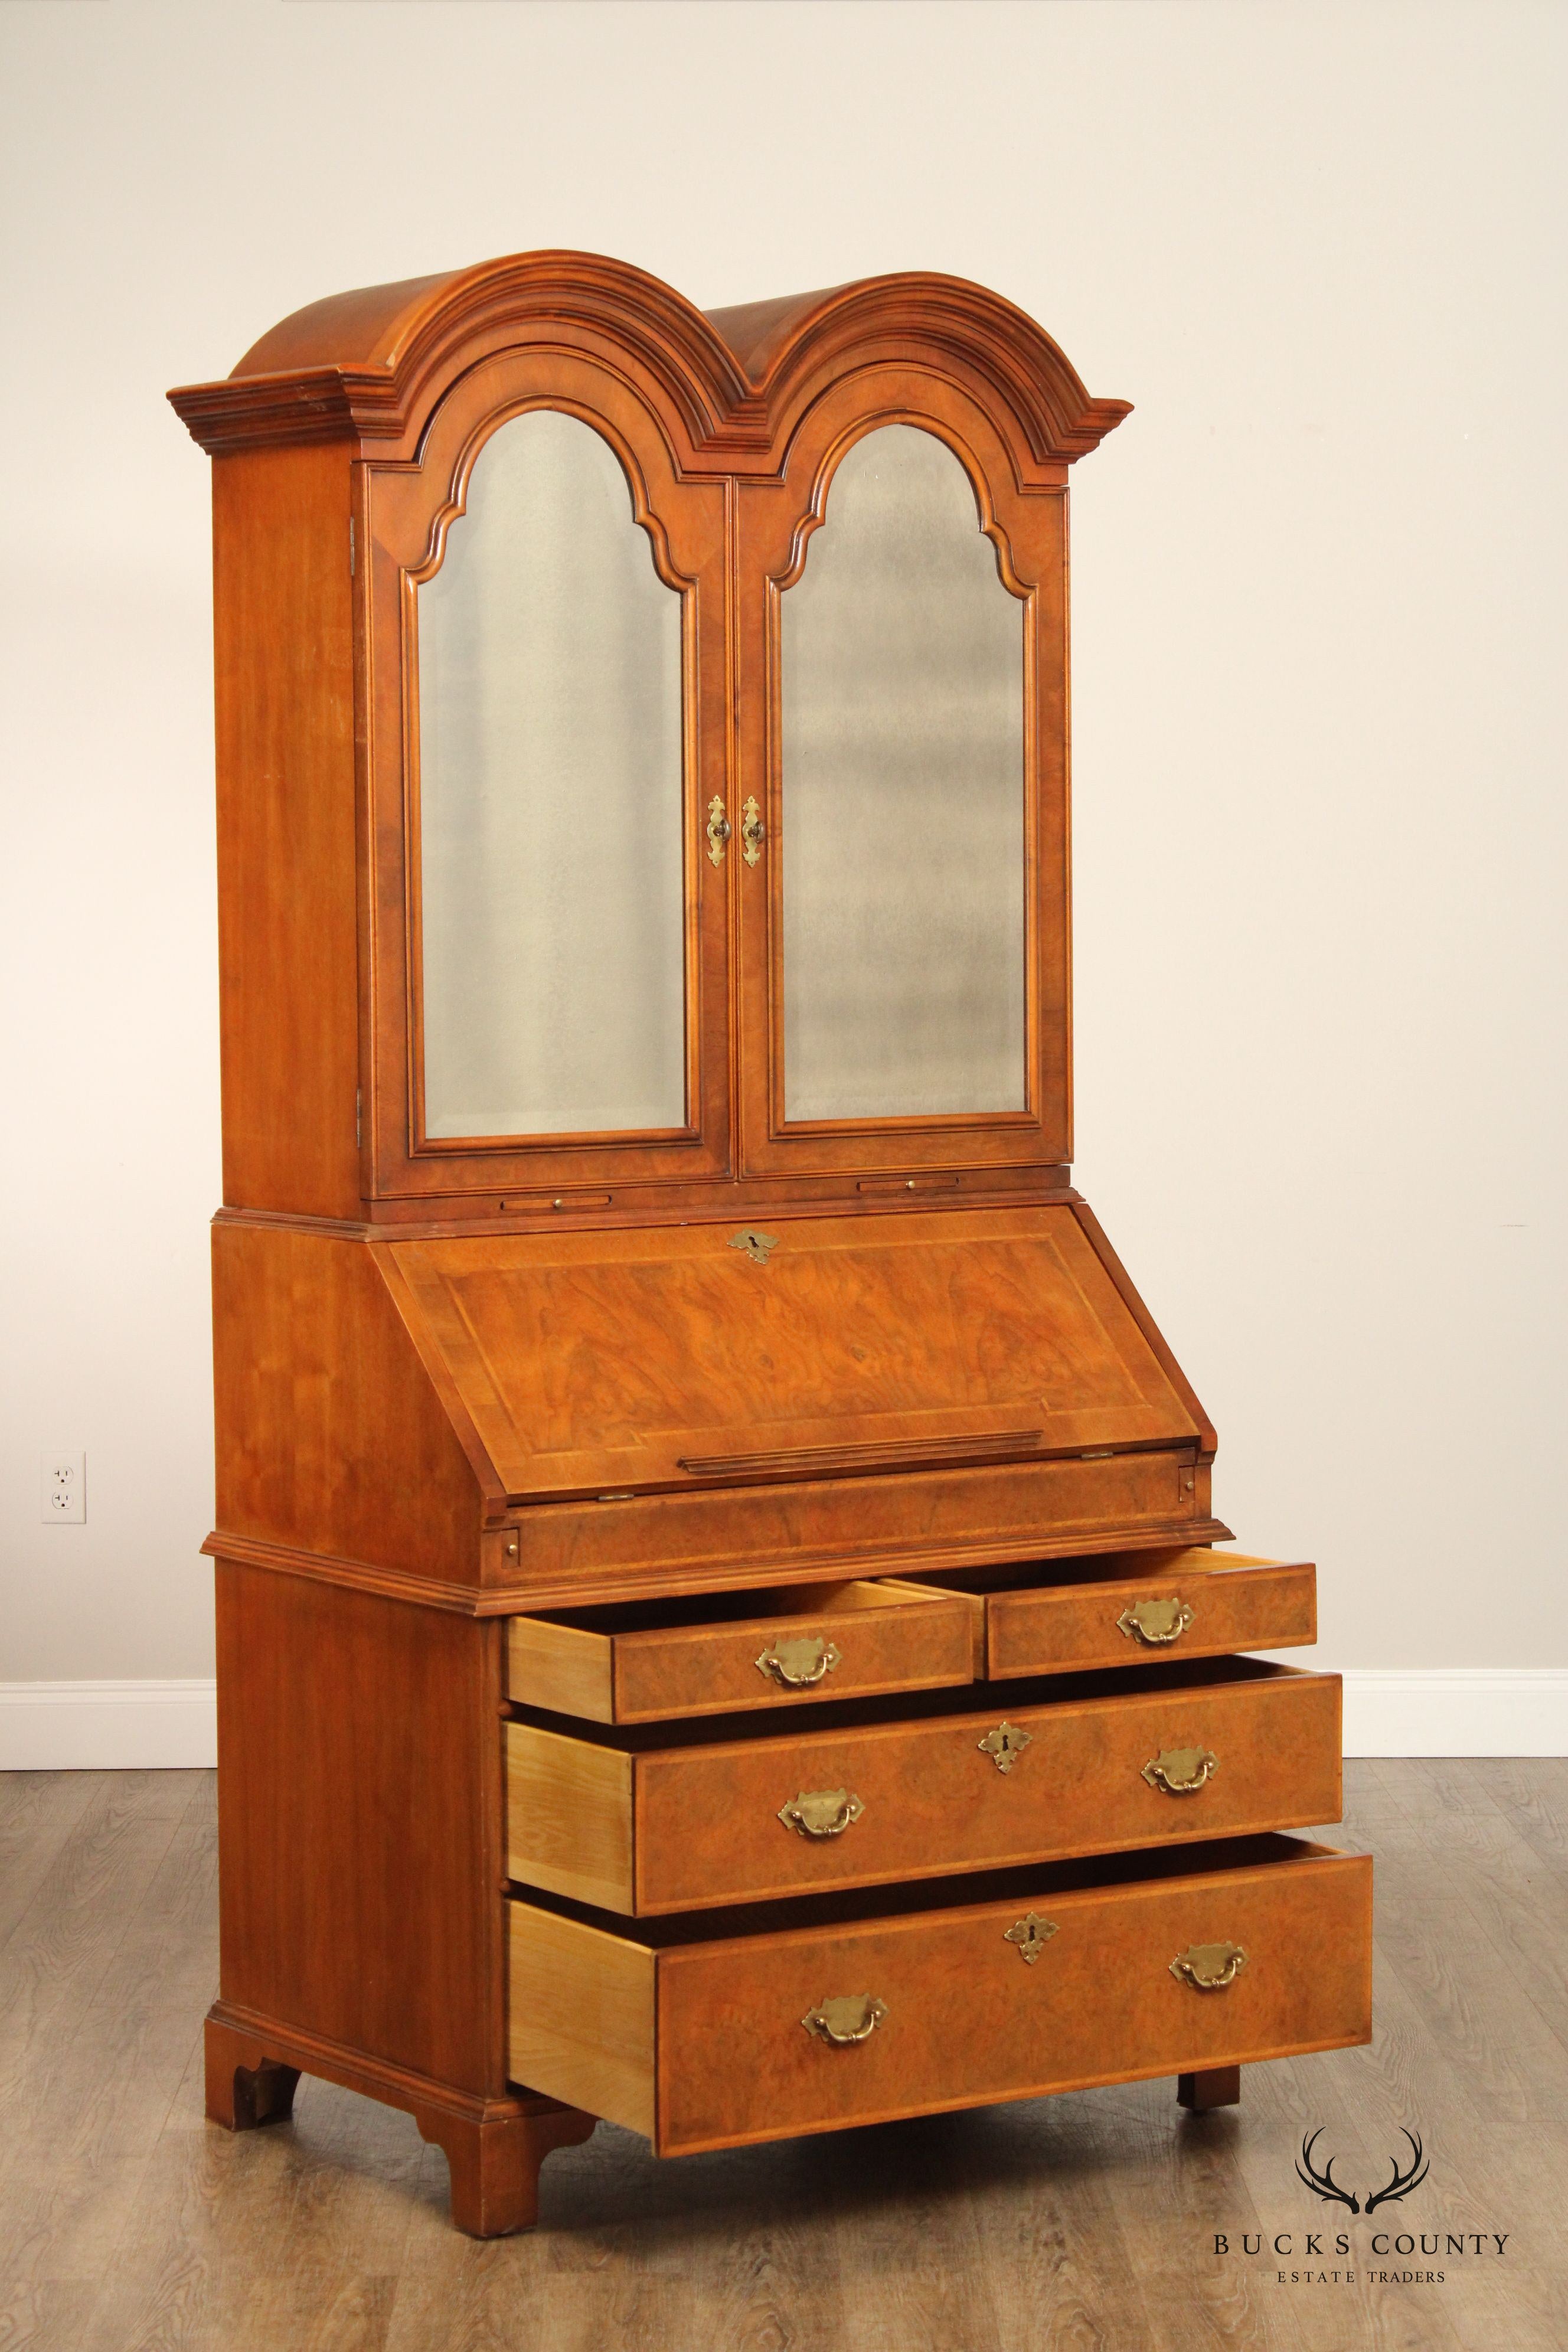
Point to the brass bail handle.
(822, 1813)
(1181, 1771)
(1155, 1622)
(1209, 1967)
(800, 1661)
(847, 2018)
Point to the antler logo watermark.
(1323, 2184)
(1352, 2255)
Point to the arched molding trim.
(791, 350)
(459, 474)
(975, 474)
(369, 366)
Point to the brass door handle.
(821, 1812)
(753, 832)
(718, 829)
(1155, 1622)
(847, 2017)
(1181, 1771)
(800, 1662)
(1208, 1968)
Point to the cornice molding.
(368, 367)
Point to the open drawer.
(726, 1653)
(1133, 1608)
(638, 1820)
(709, 2031)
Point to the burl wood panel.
(359, 1815)
(704, 1825)
(886, 1639)
(715, 1538)
(1236, 1604)
(968, 2019)
(601, 1360)
(331, 1434)
(283, 635)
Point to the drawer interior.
(690, 2029)
(851, 1905)
(1148, 1566)
(1100, 1609)
(719, 1652)
(922, 1706)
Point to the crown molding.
(368, 368)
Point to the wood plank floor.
(128, 2224)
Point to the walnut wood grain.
(686, 1350)
(360, 1815)
(967, 2019)
(645, 1664)
(1237, 1603)
(287, 850)
(699, 1823)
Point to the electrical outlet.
(63, 1477)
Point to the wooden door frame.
(1028, 529)
(408, 508)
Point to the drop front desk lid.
(680, 1355)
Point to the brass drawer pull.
(1155, 1622)
(1031, 1934)
(718, 831)
(821, 1812)
(1003, 1746)
(753, 832)
(1181, 1771)
(798, 1663)
(1208, 1968)
(847, 2017)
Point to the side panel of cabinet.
(331, 1436)
(779, 526)
(283, 624)
(360, 1823)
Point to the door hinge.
(359, 1117)
(350, 547)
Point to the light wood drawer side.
(702, 2044)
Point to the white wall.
(1319, 628)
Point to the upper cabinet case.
(677, 758)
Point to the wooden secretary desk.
(717, 1622)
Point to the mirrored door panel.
(902, 810)
(548, 716)
(549, 802)
(903, 897)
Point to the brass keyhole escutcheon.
(753, 832)
(822, 1813)
(801, 1661)
(756, 1245)
(1003, 1746)
(1155, 1622)
(848, 2017)
(718, 831)
(1181, 1771)
(1031, 1934)
(1208, 1968)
